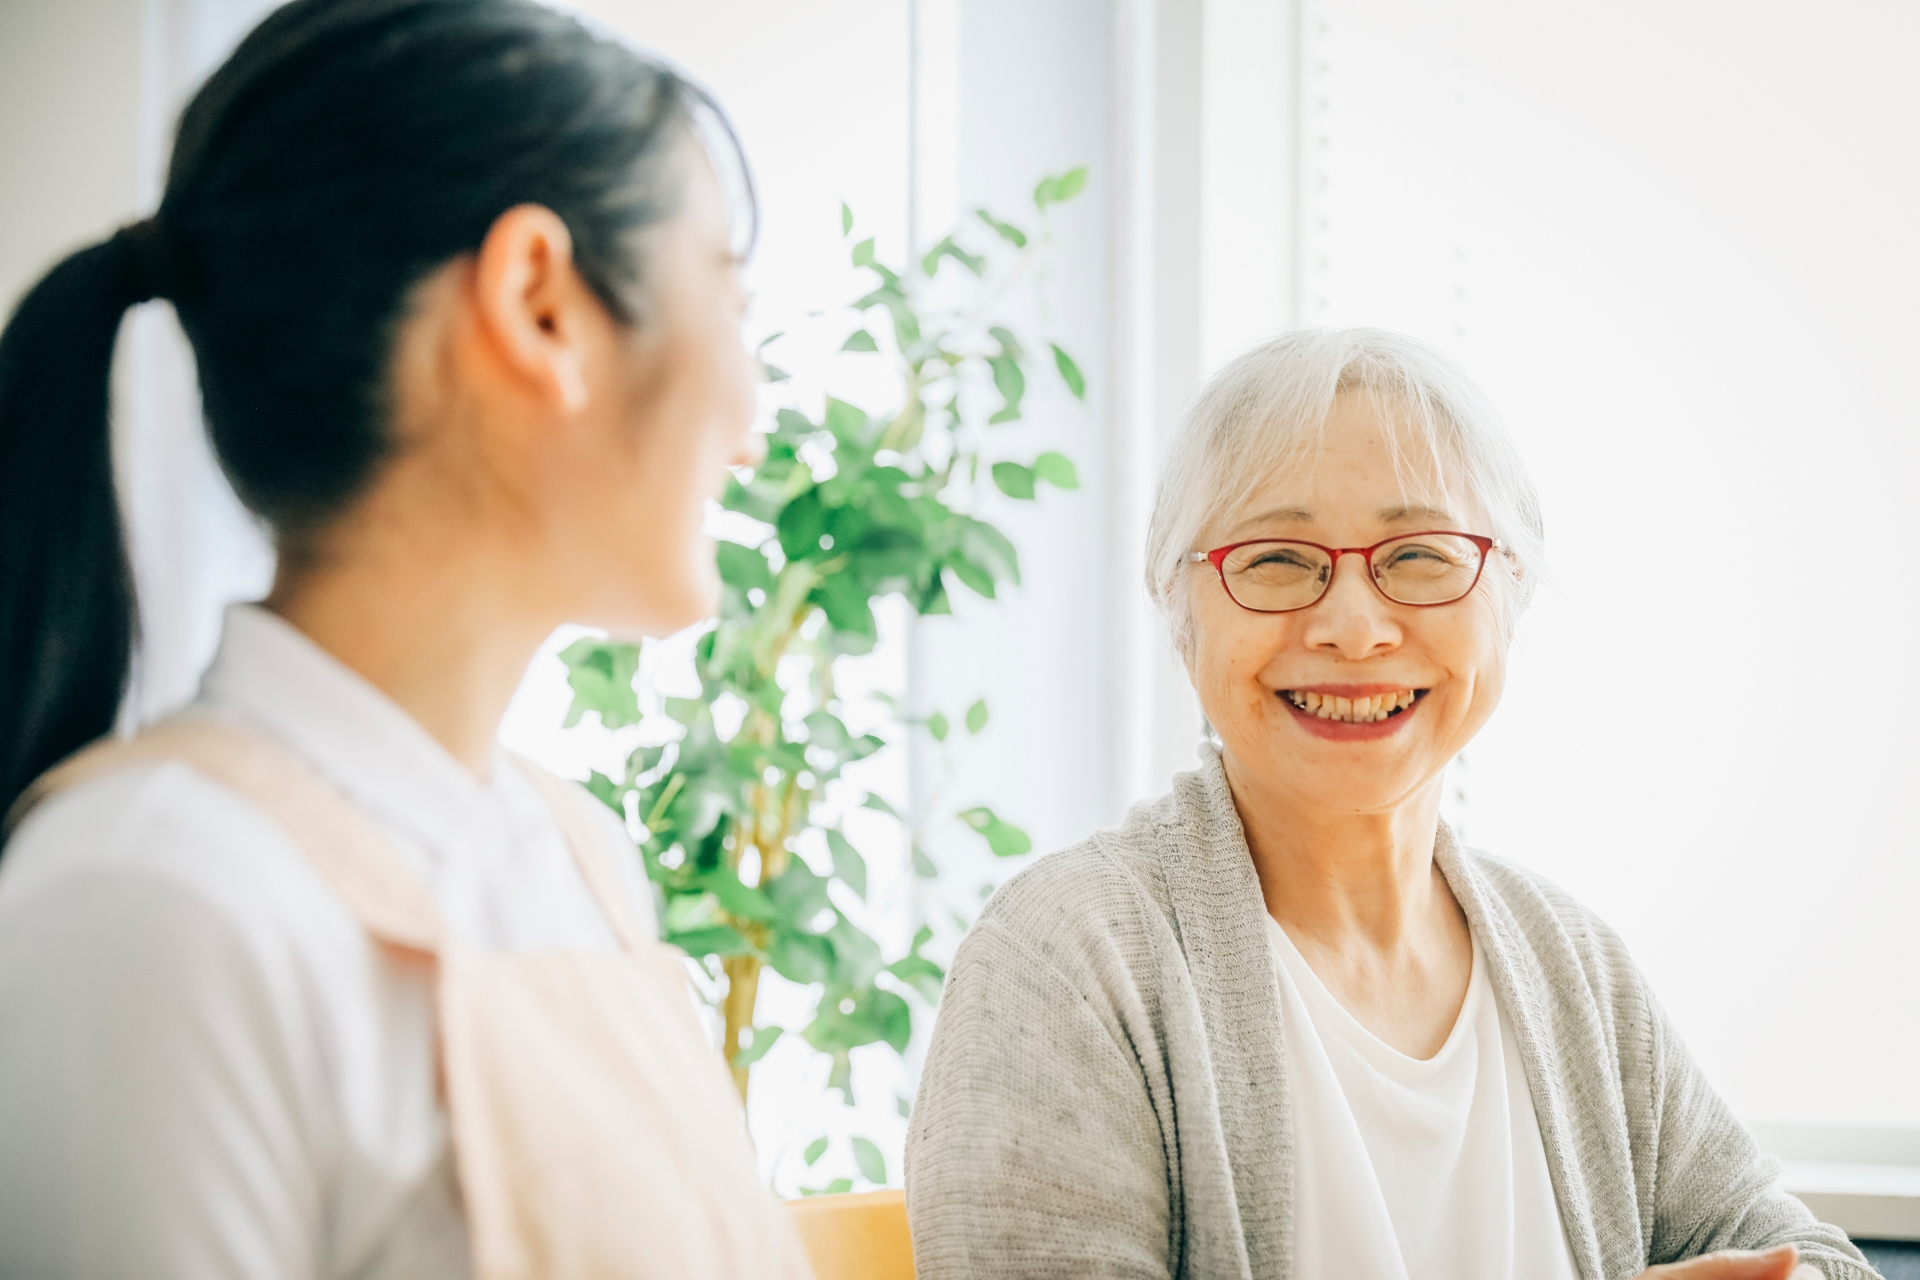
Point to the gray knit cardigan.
(1105, 1092)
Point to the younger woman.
(313, 980)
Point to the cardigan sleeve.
(1713, 1188)
(1034, 1147)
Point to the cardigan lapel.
(1220, 923)
(1540, 1021)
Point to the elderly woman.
(1280, 1023)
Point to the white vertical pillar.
(1206, 235)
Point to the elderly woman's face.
(1264, 679)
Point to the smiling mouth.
(1383, 706)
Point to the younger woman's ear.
(530, 299)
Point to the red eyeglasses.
(1280, 575)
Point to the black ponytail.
(346, 150)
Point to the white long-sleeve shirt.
(207, 1069)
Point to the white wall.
(1676, 243)
(69, 131)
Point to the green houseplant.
(849, 507)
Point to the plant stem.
(743, 988)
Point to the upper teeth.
(1355, 710)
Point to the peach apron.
(597, 1134)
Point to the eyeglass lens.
(1426, 568)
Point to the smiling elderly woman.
(1278, 1023)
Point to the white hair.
(1267, 411)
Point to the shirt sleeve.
(151, 1122)
(1713, 1187)
(1034, 1149)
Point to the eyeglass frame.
(1217, 558)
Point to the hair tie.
(149, 252)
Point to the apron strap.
(572, 807)
(351, 853)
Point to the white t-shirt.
(1410, 1169)
(206, 1067)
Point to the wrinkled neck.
(1344, 879)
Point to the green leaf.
(923, 866)
(743, 567)
(937, 726)
(763, 1040)
(744, 901)
(839, 1186)
(903, 1104)
(1013, 479)
(948, 249)
(873, 1166)
(801, 525)
(847, 862)
(920, 973)
(847, 605)
(600, 673)
(856, 957)
(1069, 372)
(1005, 839)
(773, 372)
(606, 791)
(687, 911)
(933, 601)
(1060, 188)
(879, 805)
(859, 340)
(1005, 230)
(863, 253)
(793, 425)
(973, 575)
(1011, 383)
(818, 1147)
(827, 730)
(845, 1021)
(800, 957)
(797, 892)
(711, 940)
(987, 547)
(1057, 470)
(895, 1019)
(977, 716)
(644, 760)
(848, 422)
(846, 225)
